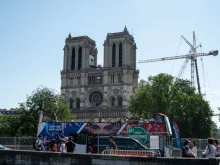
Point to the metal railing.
(102, 113)
(200, 143)
(129, 153)
(18, 143)
(26, 143)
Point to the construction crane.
(191, 56)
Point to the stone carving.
(69, 36)
(115, 92)
(105, 100)
(86, 42)
(74, 94)
(67, 94)
(106, 42)
(125, 29)
(80, 45)
(75, 45)
(66, 47)
(125, 41)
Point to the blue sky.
(33, 33)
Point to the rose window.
(95, 98)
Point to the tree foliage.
(41, 100)
(8, 125)
(214, 130)
(178, 100)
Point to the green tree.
(8, 125)
(214, 130)
(41, 100)
(178, 100)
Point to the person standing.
(194, 148)
(217, 148)
(112, 145)
(38, 145)
(53, 146)
(186, 152)
(210, 150)
(70, 146)
(63, 146)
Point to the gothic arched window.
(120, 55)
(71, 103)
(119, 78)
(78, 103)
(113, 55)
(113, 101)
(120, 101)
(112, 78)
(73, 59)
(89, 79)
(79, 58)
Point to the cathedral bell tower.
(120, 65)
(80, 54)
(119, 50)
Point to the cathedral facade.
(94, 91)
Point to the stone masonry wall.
(18, 157)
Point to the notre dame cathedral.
(94, 91)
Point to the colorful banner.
(177, 135)
(52, 129)
(151, 128)
(59, 130)
(71, 128)
(141, 131)
(103, 128)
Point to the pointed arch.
(113, 101)
(112, 78)
(119, 78)
(73, 58)
(78, 103)
(71, 103)
(80, 58)
(119, 101)
(120, 54)
(113, 55)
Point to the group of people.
(189, 149)
(66, 145)
(212, 149)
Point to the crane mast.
(191, 56)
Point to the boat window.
(158, 119)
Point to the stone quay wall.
(19, 157)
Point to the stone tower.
(93, 91)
